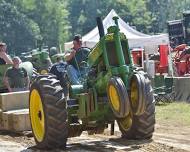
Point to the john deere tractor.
(39, 58)
(112, 88)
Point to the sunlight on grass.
(173, 113)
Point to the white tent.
(135, 38)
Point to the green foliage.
(23, 22)
(83, 13)
(16, 28)
(136, 13)
(165, 10)
(51, 18)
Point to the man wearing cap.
(74, 58)
(4, 57)
(16, 78)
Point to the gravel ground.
(161, 142)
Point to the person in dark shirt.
(16, 78)
(59, 69)
(4, 57)
(72, 70)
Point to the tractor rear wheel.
(140, 126)
(48, 113)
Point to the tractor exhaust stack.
(100, 27)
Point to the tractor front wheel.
(118, 97)
(48, 113)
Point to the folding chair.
(170, 93)
(163, 89)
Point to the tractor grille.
(112, 55)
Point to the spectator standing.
(16, 78)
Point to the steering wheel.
(81, 56)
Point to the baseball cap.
(77, 38)
(17, 58)
(2, 44)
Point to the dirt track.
(166, 139)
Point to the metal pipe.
(103, 46)
(100, 27)
(119, 49)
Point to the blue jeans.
(73, 75)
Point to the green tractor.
(54, 54)
(39, 58)
(111, 89)
(41, 61)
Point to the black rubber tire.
(55, 113)
(142, 126)
(139, 108)
(124, 106)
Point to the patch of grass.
(174, 114)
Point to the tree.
(165, 10)
(23, 23)
(17, 30)
(51, 17)
(83, 13)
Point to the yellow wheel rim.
(114, 98)
(134, 93)
(37, 115)
(126, 123)
(43, 72)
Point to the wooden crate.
(14, 100)
(16, 120)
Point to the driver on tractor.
(74, 59)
